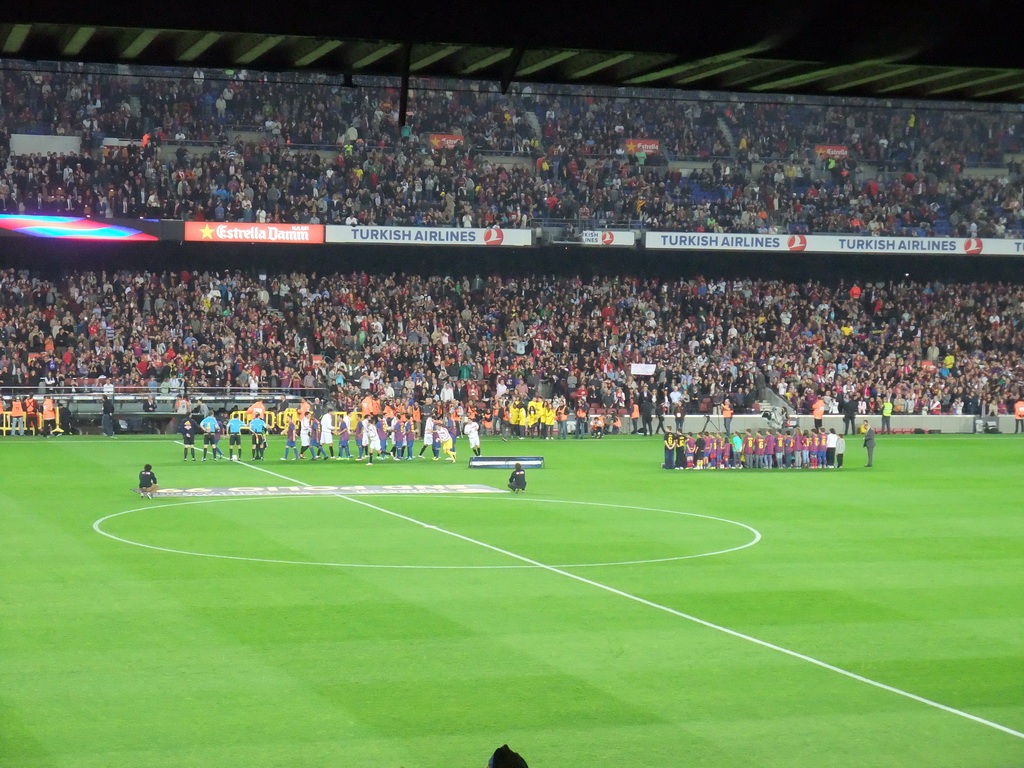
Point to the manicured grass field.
(419, 630)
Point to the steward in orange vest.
(17, 417)
(727, 412)
(49, 416)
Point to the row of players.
(763, 449)
(374, 435)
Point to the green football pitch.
(615, 615)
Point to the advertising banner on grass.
(429, 236)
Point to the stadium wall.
(35, 144)
(946, 424)
(47, 242)
(50, 256)
(85, 410)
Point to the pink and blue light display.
(71, 228)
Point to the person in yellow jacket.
(517, 418)
(533, 411)
(514, 418)
(887, 408)
(547, 418)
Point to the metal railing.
(93, 391)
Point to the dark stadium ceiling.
(894, 49)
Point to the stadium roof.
(881, 49)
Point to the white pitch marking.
(688, 617)
(97, 526)
(756, 539)
(80, 440)
(269, 472)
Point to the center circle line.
(97, 526)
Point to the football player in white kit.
(428, 437)
(371, 440)
(327, 431)
(305, 430)
(472, 431)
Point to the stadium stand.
(933, 348)
(244, 147)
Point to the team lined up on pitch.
(760, 449)
(379, 436)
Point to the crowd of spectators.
(786, 198)
(929, 347)
(241, 146)
(896, 137)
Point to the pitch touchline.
(674, 612)
(76, 440)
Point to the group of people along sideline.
(314, 434)
(816, 448)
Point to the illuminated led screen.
(71, 228)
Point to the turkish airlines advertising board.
(712, 241)
(609, 237)
(429, 236)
